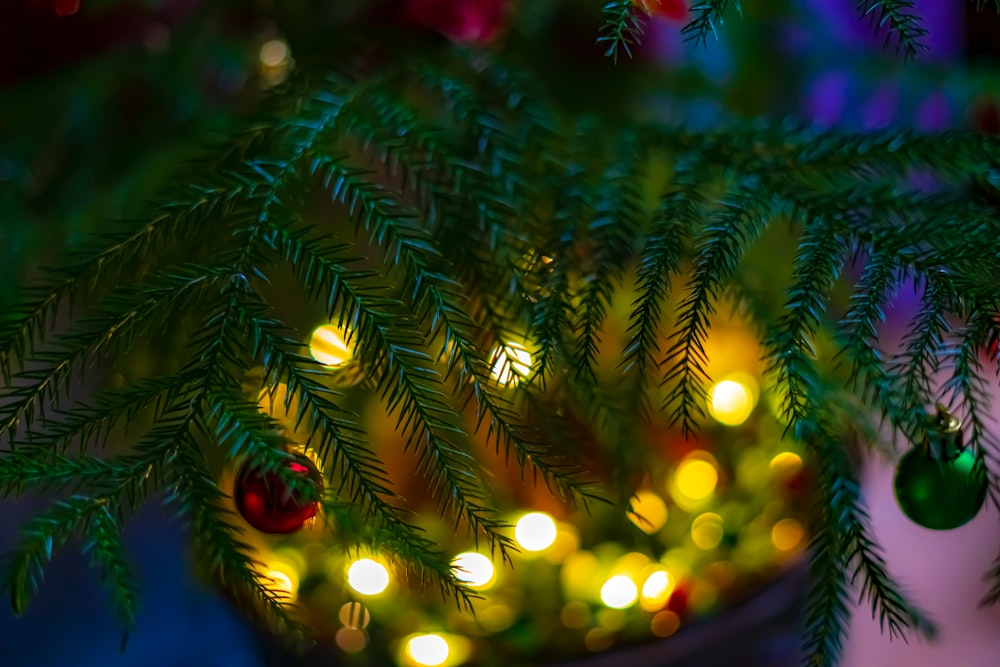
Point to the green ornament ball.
(940, 494)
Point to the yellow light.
(787, 534)
(354, 615)
(575, 615)
(665, 624)
(731, 401)
(511, 363)
(430, 649)
(473, 569)
(274, 53)
(282, 581)
(368, 577)
(785, 464)
(657, 588)
(649, 512)
(706, 530)
(535, 531)
(351, 640)
(327, 346)
(495, 617)
(597, 640)
(696, 478)
(619, 592)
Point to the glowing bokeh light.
(619, 592)
(664, 624)
(696, 478)
(785, 464)
(474, 569)
(430, 649)
(368, 577)
(649, 512)
(511, 363)
(787, 534)
(274, 53)
(657, 588)
(706, 530)
(575, 615)
(351, 640)
(328, 347)
(535, 531)
(730, 402)
(354, 615)
(597, 640)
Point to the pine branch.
(396, 353)
(127, 316)
(827, 613)
(902, 23)
(676, 218)
(622, 28)
(707, 16)
(108, 556)
(40, 536)
(619, 219)
(230, 560)
(719, 249)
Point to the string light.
(619, 592)
(785, 464)
(787, 534)
(731, 401)
(696, 477)
(368, 577)
(328, 347)
(511, 363)
(656, 589)
(354, 615)
(351, 640)
(535, 531)
(429, 649)
(474, 569)
(648, 512)
(706, 530)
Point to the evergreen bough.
(488, 211)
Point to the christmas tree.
(452, 340)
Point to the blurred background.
(100, 100)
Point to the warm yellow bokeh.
(619, 592)
(367, 576)
(785, 465)
(706, 530)
(656, 589)
(787, 534)
(731, 400)
(649, 512)
(474, 569)
(695, 479)
(535, 531)
(428, 650)
(328, 347)
(511, 363)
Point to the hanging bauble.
(939, 484)
(266, 501)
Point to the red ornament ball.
(267, 503)
(675, 10)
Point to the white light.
(328, 347)
(428, 649)
(535, 531)
(368, 577)
(511, 363)
(274, 53)
(619, 592)
(473, 569)
(656, 587)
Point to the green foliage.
(439, 210)
(898, 19)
